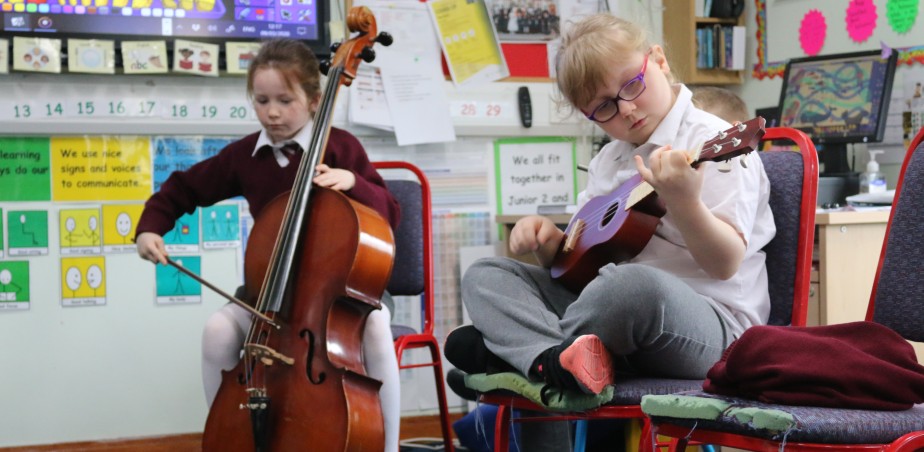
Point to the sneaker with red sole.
(588, 361)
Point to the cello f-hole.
(308, 336)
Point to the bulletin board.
(86, 194)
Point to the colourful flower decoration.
(861, 19)
(812, 32)
(902, 14)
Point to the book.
(738, 48)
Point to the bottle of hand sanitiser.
(872, 181)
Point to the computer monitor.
(770, 114)
(838, 99)
(214, 21)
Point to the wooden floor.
(411, 427)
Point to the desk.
(849, 244)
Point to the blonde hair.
(589, 48)
(721, 102)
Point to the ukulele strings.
(597, 215)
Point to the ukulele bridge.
(572, 238)
(266, 355)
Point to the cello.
(321, 262)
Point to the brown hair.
(294, 60)
(589, 48)
(720, 102)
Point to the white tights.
(223, 338)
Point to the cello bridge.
(266, 355)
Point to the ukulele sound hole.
(609, 214)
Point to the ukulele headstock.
(732, 142)
(348, 54)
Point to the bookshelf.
(680, 25)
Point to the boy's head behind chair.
(721, 102)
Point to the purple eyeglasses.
(609, 108)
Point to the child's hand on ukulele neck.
(670, 172)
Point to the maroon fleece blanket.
(853, 365)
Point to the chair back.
(412, 274)
(897, 300)
(793, 192)
(407, 277)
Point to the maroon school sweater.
(235, 171)
(861, 365)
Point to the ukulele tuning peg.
(724, 166)
(743, 161)
(385, 39)
(736, 142)
(715, 148)
(741, 126)
(722, 135)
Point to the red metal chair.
(896, 301)
(413, 273)
(794, 189)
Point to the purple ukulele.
(616, 227)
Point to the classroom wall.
(131, 368)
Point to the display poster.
(197, 58)
(36, 54)
(83, 281)
(144, 57)
(176, 287)
(101, 168)
(221, 226)
(469, 41)
(4, 56)
(119, 222)
(94, 56)
(24, 169)
(179, 153)
(28, 232)
(533, 172)
(14, 285)
(238, 56)
(184, 237)
(79, 231)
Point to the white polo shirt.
(739, 197)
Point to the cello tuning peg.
(324, 65)
(385, 39)
(334, 47)
(367, 54)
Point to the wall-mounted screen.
(206, 20)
